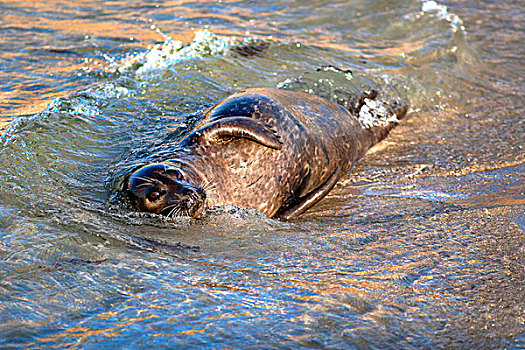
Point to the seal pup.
(276, 151)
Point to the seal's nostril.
(201, 192)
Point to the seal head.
(165, 189)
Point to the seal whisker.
(175, 211)
(145, 184)
(203, 184)
(208, 186)
(171, 208)
(170, 211)
(194, 196)
(147, 181)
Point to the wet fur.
(277, 151)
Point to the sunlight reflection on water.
(420, 246)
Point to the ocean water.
(421, 245)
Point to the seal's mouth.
(191, 205)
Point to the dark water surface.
(422, 245)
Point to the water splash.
(171, 51)
(375, 113)
(441, 12)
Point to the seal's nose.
(186, 200)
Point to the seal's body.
(277, 151)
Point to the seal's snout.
(165, 189)
(190, 204)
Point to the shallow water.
(422, 245)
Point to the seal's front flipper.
(304, 203)
(237, 127)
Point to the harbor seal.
(276, 151)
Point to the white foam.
(375, 113)
(441, 12)
(173, 51)
(109, 90)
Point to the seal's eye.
(154, 195)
